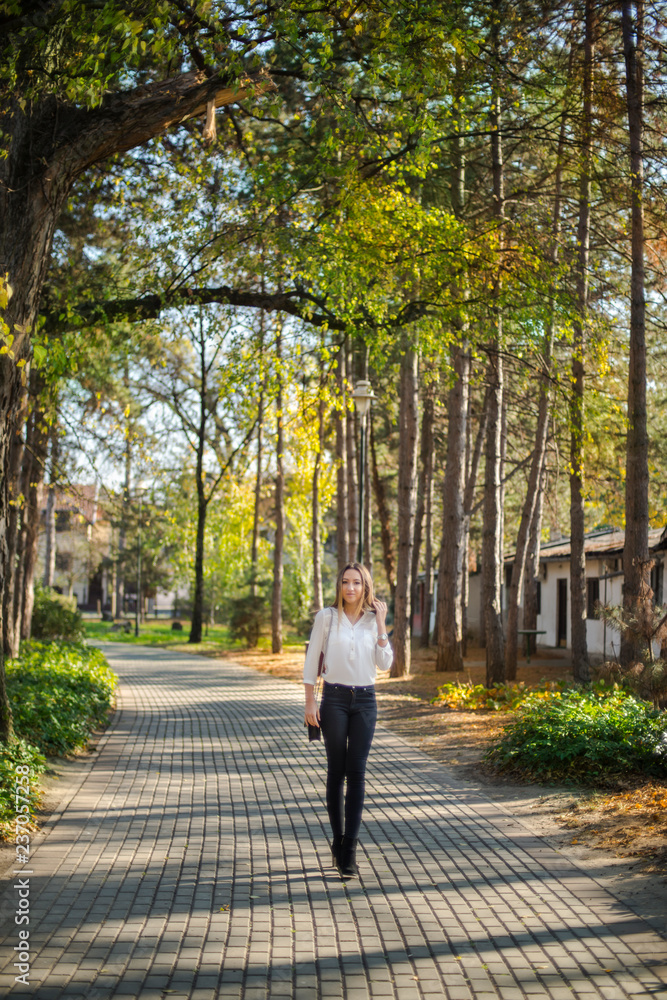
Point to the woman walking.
(353, 638)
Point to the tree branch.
(295, 303)
(130, 118)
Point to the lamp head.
(363, 396)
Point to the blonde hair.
(368, 598)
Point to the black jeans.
(347, 717)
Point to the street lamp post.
(363, 397)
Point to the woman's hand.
(312, 713)
(380, 609)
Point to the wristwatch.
(383, 636)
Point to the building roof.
(609, 541)
(91, 501)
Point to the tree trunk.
(277, 592)
(493, 489)
(386, 533)
(527, 518)
(277, 595)
(533, 564)
(635, 553)
(524, 569)
(27, 466)
(424, 484)
(33, 519)
(342, 527)
(450, 625)
(318, 596)
(352, 472)
(50, 525)
(125, 502)
(368, 510)
(197, 623)
(254, 550)
(580, 667)
(428, 459)
(16, 456)
(491, 567)
(473, 463)
(407, 502)
(32, 477)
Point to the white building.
(604, 582)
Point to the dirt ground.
(630, 822)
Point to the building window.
(592, 596)
(538, 596)
(64, 562)
(63, 520)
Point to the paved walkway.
(192, 863)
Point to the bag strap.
(325, 646)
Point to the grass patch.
(158, 632)
(587, 736)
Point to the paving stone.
(188, 809)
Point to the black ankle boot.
(335, 851)
(348, 858)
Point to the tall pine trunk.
(407, 501)
(386, 533)
(427, 461)
(449, 617)
(33, 517)
(279, 542)
(493, 487)
(450, 572)
(635, 553)
(50, 520)
(351, 436)
(17, 452)
(473, 463)
(579, 644)
(522, 566)
(197, 623)
(533, 565)
(254, 547)
(424, 482)
(492, 521)
(318, 596)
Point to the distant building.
(86, 549)
(83, 544)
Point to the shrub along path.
(193, 863)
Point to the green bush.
(247, 618)
(584, 736)
(471, 697)
(18, 754)
(58, 693)
(55, 617)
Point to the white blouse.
(352, 653)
